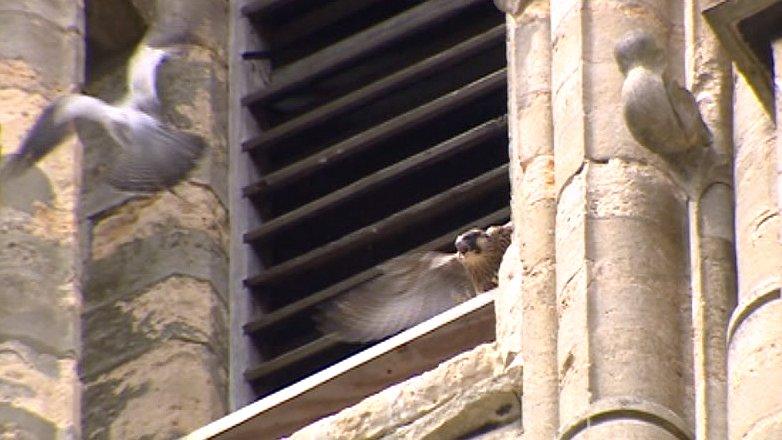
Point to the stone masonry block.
(177, 308)
(34, 275)
(162, 394)
(537, 203)
(755, 356)
(37, 392)
(207, 20)
(758, 251)
(142, 263)
(197, 208)
(56, 54)
(66, 14)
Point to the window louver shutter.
(383, 131)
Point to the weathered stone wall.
(755, 352)
(41, 56)
(155, 321)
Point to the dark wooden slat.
(264, 6)
(359, 45)
(390, 225)
(383, 87)
(312, 21)
(362, 141)
(439, 243)
(396, 171)
(292, 357)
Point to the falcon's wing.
(688, 114)
(411, 289)
(158, 157)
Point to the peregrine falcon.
(417, 286)
(154, 155)
(660, 114)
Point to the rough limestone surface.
(754, 351)
(41, 56)
(526, 302)
(622, 263)
(461, 397)
(155, 323)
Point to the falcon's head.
(481, 253)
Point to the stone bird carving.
(417, 286)
(660, 114)
(154, 154)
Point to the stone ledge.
(434, 403)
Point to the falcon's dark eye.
(468, 242)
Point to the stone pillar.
(709, 76)
(622, 281)
(155, 324)
(41, 57)
(755, 331)
(526, 303)
(776, 47)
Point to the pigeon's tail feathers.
(160, 158)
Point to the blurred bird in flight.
(154, 155)
(417, 286)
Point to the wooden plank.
(264, 6)
(383, 87)
(316, 19)
(359, 45)
(362, 141)
(438, 153)
(390, 225)
(292, 357)
(405, 355)
(440, 243)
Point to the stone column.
(41, 57)
(526, 303)
(155, 325)
(755, 331)
(623, 297)
(709, 76)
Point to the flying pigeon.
(416, 286)
(660, 114)
(154, 154)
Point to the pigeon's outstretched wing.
(411, 289)
(142, 79)
(51, 128)
(157, 157)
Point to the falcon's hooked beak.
(471, 241)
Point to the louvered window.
(380, 130)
